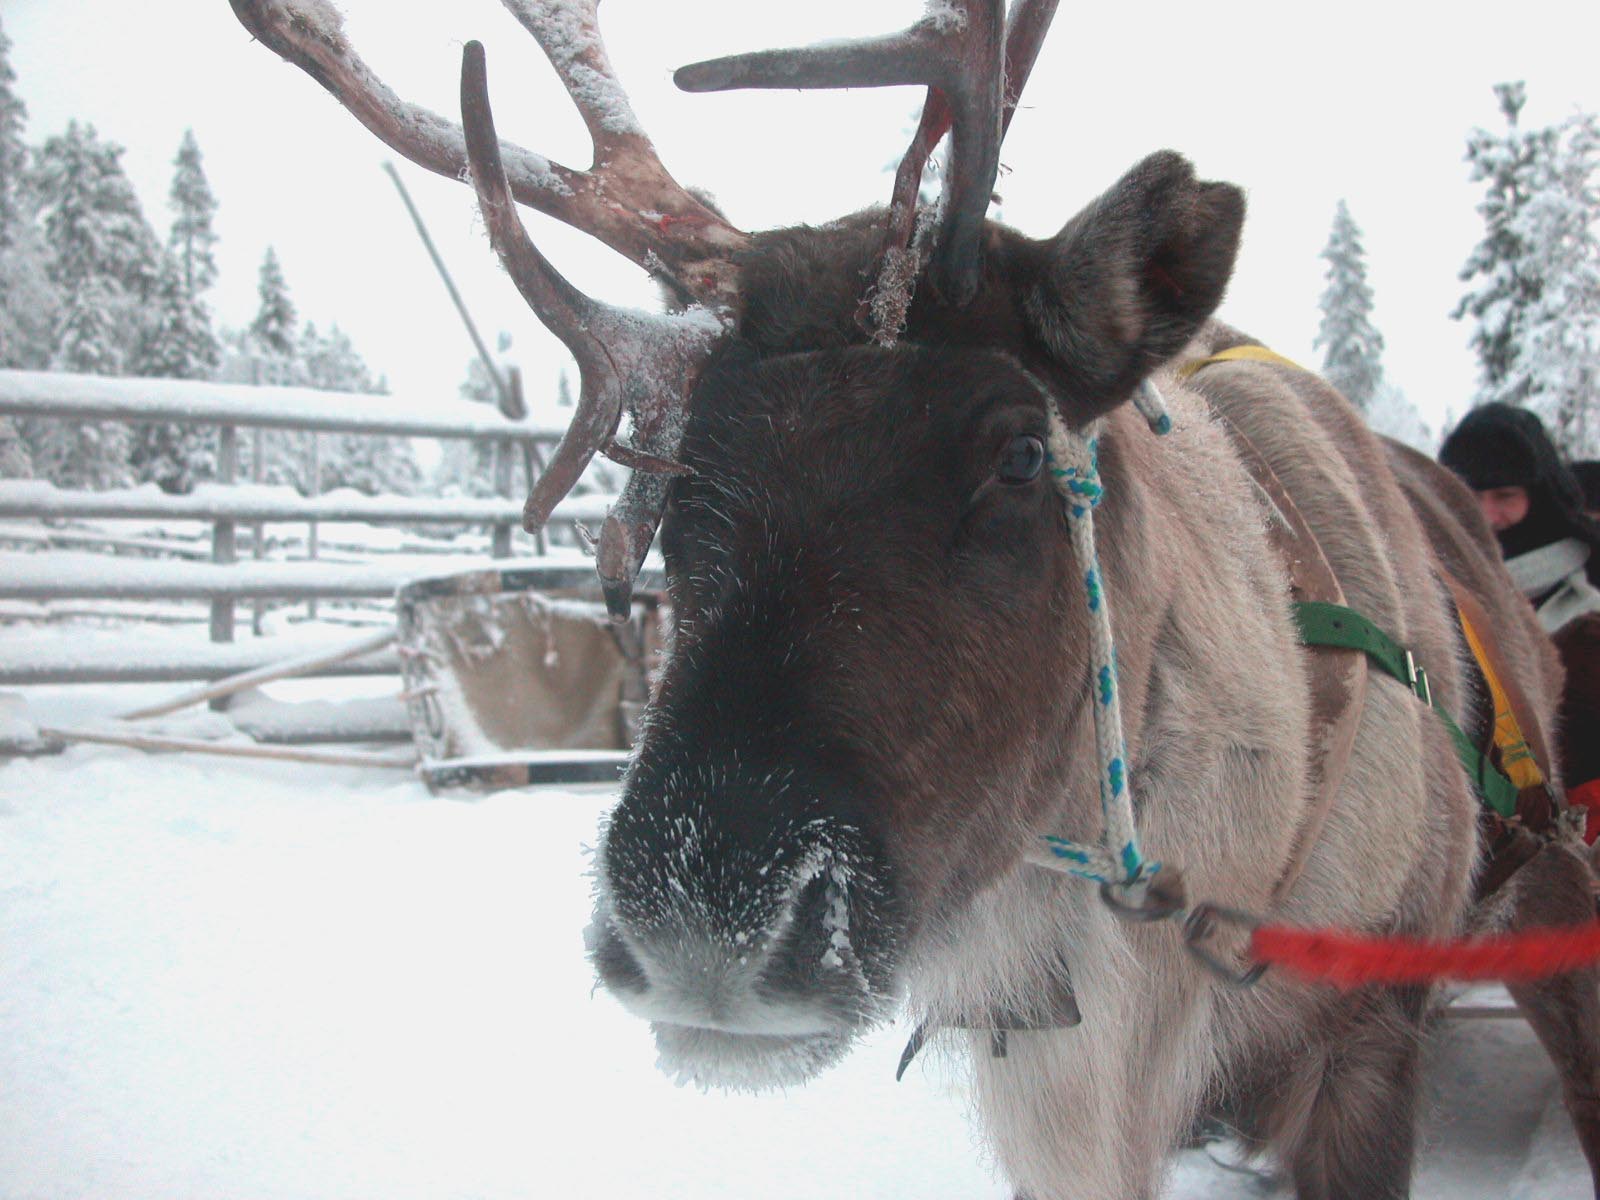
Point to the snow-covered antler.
(682, 239)
(646, 364)
(642, 363)
(974, 78)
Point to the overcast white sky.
(1300, 104)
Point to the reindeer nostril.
(618, 969)
(809, 951)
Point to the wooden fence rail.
(37, 500)
(227, 504)
(103, 398)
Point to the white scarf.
(1558, 566)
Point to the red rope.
(1348, 960)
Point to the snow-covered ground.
(264, 980)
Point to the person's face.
(1503, 507)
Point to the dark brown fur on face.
(875, 699)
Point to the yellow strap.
(1239, 354)
(1516, 760)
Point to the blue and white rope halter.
(1073, 463)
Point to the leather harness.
(1338, 685)
(1338, 679)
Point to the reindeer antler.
(643, 362)
(973, 86)
(683, 240)
(636, 362)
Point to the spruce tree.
(84, 454)
(178, 344)
(1557, 363)
(1535, 277)
(1352, 347)
(192, 242)
(93, 222)
(30, 305)
(369, 463)
(1500, 290)
(178, 341)
(30, 302)
(13, 153)
(273, 329)
(466, 466)
(103, 257)
(271, 345)
(87, 342)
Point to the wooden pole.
(289, 667)
(501, 542)
(258, 548)
(147, 741)
(311, 528)
(508, 403)
(223, 548)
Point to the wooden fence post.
(311, 526)
(258, 548)
(223, 549)
(502, 488)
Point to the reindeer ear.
(1128, 281)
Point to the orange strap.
(1516, 760)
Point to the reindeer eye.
(1021, 460)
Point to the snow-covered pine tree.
(371, 464)
(29, 306)
(466, 467)
(192, 241)
(178, 344)
(29, 303)
(268, 351)
(1391, 413)
(13, 152)
(273, 329)
(84, 454)
(93, 223)
(103, 257)
(1352, 346)
(1557, 363)
(87, 341)
(1499, 291)
(1535, 278)
(178, 341)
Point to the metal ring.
(1160, 902)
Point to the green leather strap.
(1323, 624)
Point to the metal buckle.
(1418, 679)
(1201, 924)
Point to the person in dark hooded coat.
(1551, 546)
(1587, 474)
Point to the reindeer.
(877, 699)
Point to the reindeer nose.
(796, 972)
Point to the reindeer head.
(866, 708)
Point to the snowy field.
(261, 981)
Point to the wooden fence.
(228, 504)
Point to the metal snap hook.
(1201, 924)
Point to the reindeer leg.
(1344, 1124)
(1564, 1011)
